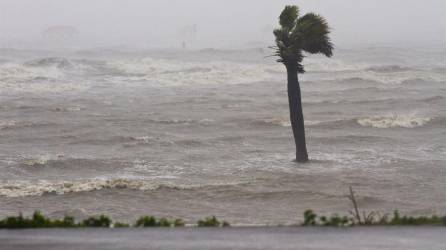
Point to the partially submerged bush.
(178, 223)
(101, 221)
(369, 218)
(120, 225)
(335, 221)
(67, 221)
(309, 218)
(146, 221)
(312, 219)
(151, 221)
(38, 220)
(416, 221)
(212, 222)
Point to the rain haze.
(177, 109)
(156, 23)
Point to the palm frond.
(312, 32)
(309, 33)
(288, 17)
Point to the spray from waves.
(175, 72)
(394, 121)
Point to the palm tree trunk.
(296, 114)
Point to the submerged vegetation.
(151, 221)
(356, 217)
(212, 222)
(38, 220)
(373, 218)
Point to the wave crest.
(394, 121)
(175, 72)
(24, 188)
(15, 189)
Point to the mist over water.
(213, 23)
(119, 119)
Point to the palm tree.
(296, 35)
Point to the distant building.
(60, 33)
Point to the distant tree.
(296, 35)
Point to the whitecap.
(176, 72)
(394, 121)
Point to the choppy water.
(205, 132)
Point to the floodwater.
(195, 133)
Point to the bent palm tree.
(308, 33)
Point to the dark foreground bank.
(395, 238)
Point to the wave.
(394, 121)
(282, 122)
(12, 124)
(41, 160)
(49, 75)
(59, 74)
(25, 188)
(431, 99)
(316, 65)
(7, 124)
(14, 189)
(176, 72)
(15, 72)
(387, 121)
(182, 121)
(33, 79)
(389, 69)
(58, 62)
(386, 79)
(285, 122)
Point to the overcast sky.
(221, 23)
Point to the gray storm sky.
(220, 23)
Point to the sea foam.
(176, 72)
(394, 121)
